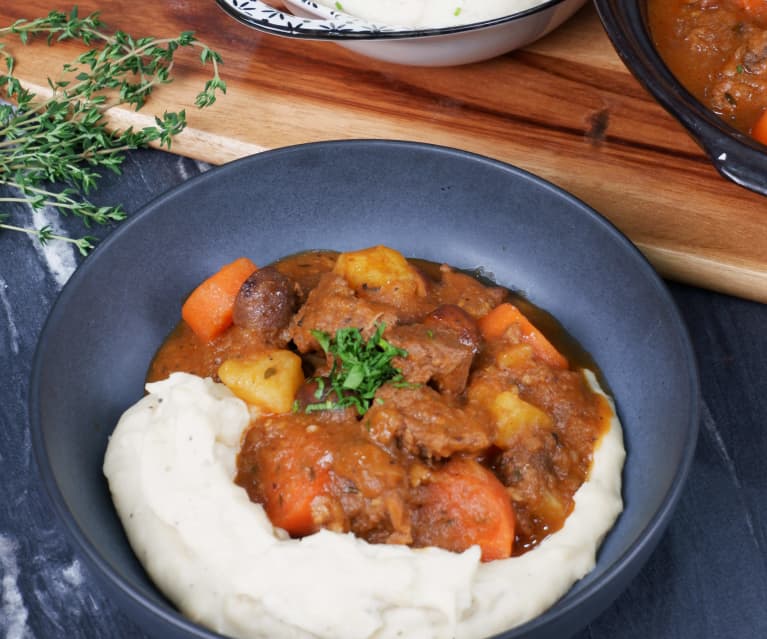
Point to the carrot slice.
(289, 492)
(291, 476)
(759, 132)
(497, 322)
(208, 310)
(463, 505)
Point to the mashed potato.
(170, 465)
(424, 14)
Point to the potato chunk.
(380, 268)
(268, 380)
(514, 416)
(515, 356)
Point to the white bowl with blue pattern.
(443, 46)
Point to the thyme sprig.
(63, 138)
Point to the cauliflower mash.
(170, 465)
(426, 14)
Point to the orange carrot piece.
(759, 132)
(291, 476)
(497, 322)
(464, 505)
(289, 498)
(208, 310)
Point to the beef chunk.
(434, 353)
(333, 305)
(454, 318)
(470, 294)
(418, 420)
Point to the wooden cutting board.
(564, 108)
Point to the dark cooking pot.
(735, 155)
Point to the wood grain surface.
(564, 108)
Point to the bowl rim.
(618, 573)
(339, 26)
(735, 155)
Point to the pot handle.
(742, 163)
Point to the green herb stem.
(64, 138)
(46, 234)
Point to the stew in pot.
(718, 50)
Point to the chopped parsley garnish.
(359, 368)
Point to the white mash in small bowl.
(428, 14)
(411, 32)
(170, 465)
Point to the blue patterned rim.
(342, 26)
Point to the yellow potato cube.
(379, 268)
(513, 416)
(515, 356)
(268, 380)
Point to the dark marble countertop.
(707, 578)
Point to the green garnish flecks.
(359, 368)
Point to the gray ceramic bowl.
(426, 201)
(736, 155)
(446, 46)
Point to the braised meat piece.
(333, 305)
(743, 77)
(456, 319)
(543, 467)
(417, 419)
(434, 354)
(311, 472)
(469, 293)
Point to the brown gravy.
(718, 51)
(387, 475)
